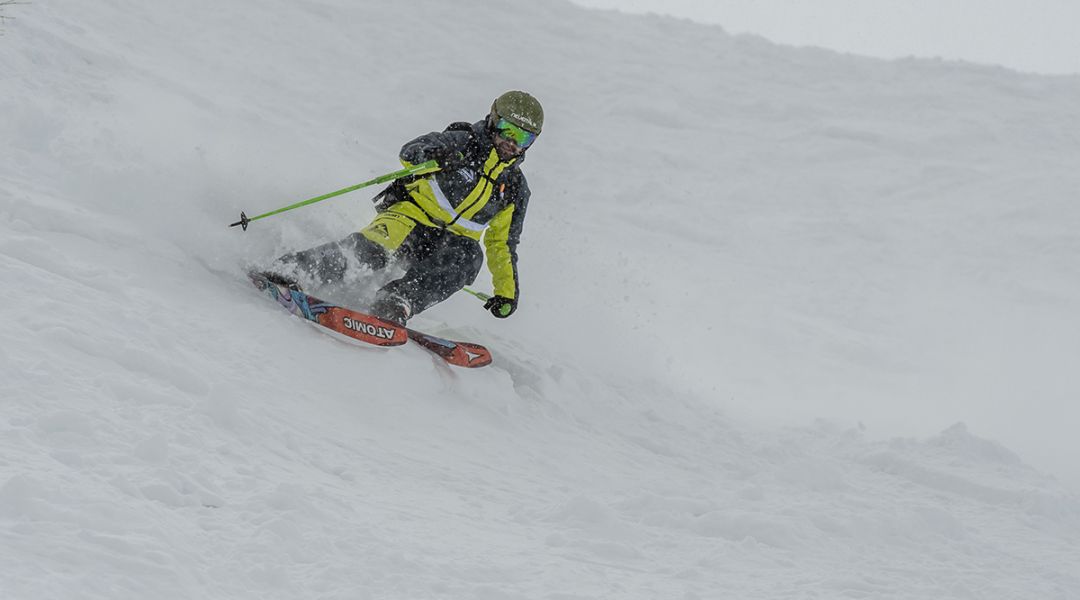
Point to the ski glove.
(435, 148)
(501, 306)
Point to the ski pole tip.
(243, 222)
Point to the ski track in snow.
(728, 240)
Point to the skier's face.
(509, 139)
(506, 148)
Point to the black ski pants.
(437, 264)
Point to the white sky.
(1041, 36)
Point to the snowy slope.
(796, 272)
(1020, 35)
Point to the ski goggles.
(523, 138)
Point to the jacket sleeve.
(501, 240)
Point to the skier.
(432, 224)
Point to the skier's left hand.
(501, 306)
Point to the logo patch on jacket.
(467, 174)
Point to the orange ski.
(459, 354)
(368, 328)
(345, 321)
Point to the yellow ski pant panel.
(389, 229)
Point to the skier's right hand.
(435, 148)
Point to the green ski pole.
(481, 295)
(504, 310)
(420, 169)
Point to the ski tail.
(350, 323)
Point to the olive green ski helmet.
(521, 109)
